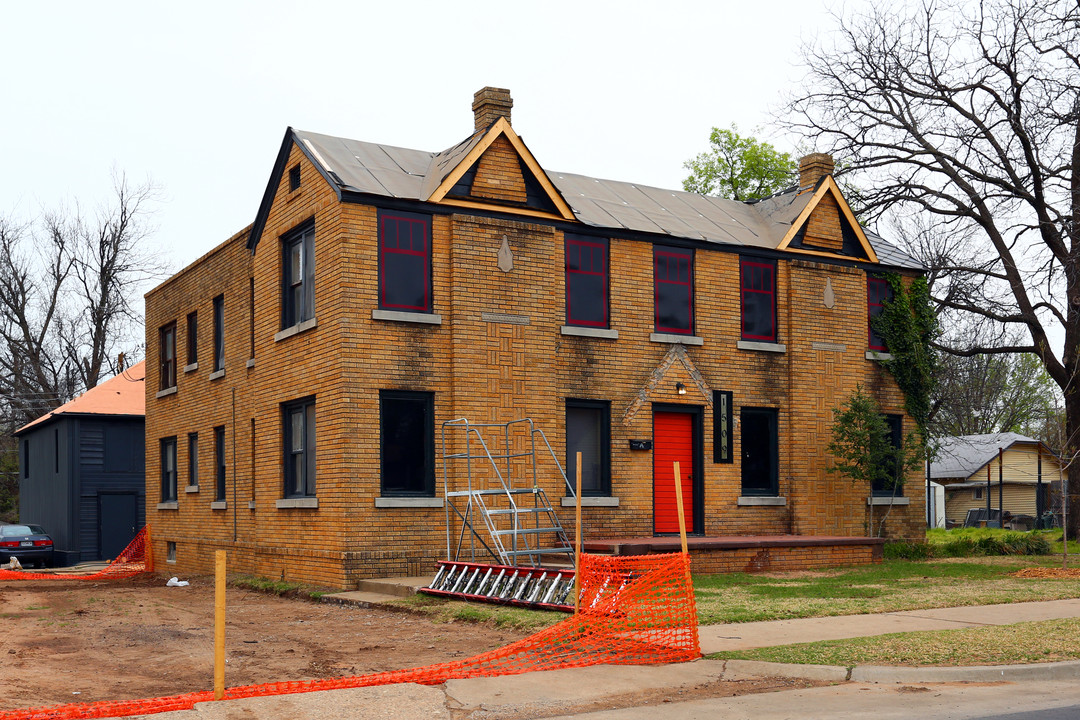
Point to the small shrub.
(969, 542)
(906, 550)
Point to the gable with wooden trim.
(827, 226)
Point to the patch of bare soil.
(69, 641)
(76, 641)
(1047, 573)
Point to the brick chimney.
(813, 167)
(490, 104)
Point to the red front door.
(673, 441)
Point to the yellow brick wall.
(498, 173)
(498, 355)
(823, 226)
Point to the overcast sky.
(197, 95)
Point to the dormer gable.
(497, 170)
(826, 225)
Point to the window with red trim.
(758, 291)
(404, 261)
(673, 290)
(877, 292)
(586, 281)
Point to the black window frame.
(895, 423)
(294, 178)
(167, 356)
(192, 337)
(668, 292)
(772, 488)
(581, 278)
(747, 289)
(219, 332)
(193, 459)
(878, 292)
(602, 486)
(390, 256)
(298, 293)
(298, 484)
(168, 478)
(220, 464)
(426, 443)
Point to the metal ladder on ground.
(520, 525)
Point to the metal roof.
(962, 456)
(608, 204)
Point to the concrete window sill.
(588, 332)
(757, 501)
(217, 374)
(671, 338)
(192, 367)
(408, 502)
(761, 346)
(170, 505)
(219, 505)
(407, 317)
(594, 501)
(250, 363)
(888, 501)
(296, 329)
(191, 489)
(166, 391)
(310, 503)
(875, 355)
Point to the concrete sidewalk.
(542, 694)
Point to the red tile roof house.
(82, 470)
(304, 370)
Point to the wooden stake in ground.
(679, 508)
(219, 624)
(577, 530)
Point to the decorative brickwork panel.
(823, 228)
(498, 174)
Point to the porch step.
(395, 586)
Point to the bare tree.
(67, 286)
(967, 116)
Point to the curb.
(743, 669)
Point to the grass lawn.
(1029, 642)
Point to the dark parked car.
(30, 543)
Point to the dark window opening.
(168, 469)
(167, 349)
(588, 431)
(673, 288)
(586, 281)
(26, 458)
(404, 261)
(193, 459)
(758, 292)
(298, 276)
(219, 463)
(877, 293)
(251, 318)
(294, 178)
(407, 442)
(192, 338)
(759, 432)
(299, 445)
(219, 333)
(890, 481)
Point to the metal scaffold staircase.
(491, 487)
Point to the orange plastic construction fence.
(634, 611)
(134, 559)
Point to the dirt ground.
(83, 641)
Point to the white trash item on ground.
(173, 582)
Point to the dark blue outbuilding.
(82, 470)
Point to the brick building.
(304, 368)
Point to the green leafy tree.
(863, 450)
(739, 168)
